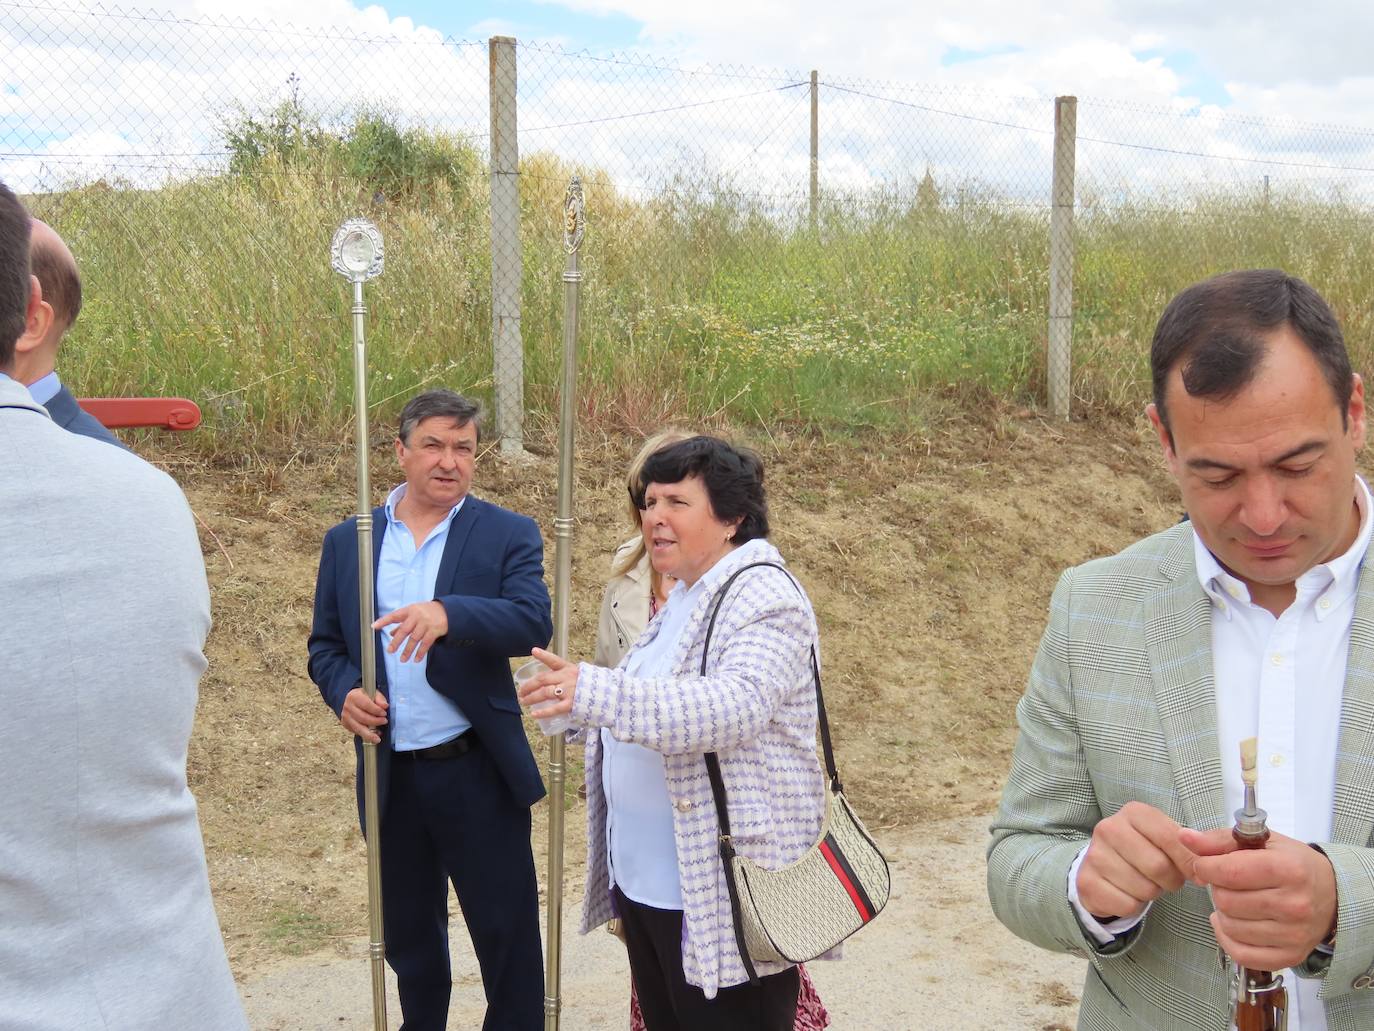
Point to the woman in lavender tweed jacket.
(755, 707)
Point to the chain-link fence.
(1167, 198)
(762, 244)
(198, 169)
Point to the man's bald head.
(53, 264)
(14, 273)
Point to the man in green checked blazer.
(1253, 618)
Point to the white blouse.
(640, 845)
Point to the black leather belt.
(460, 745)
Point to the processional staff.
(574, 226)
(1259, 1001)
(356, 254)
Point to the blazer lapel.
(1352, 817)
(458, 533)
(1178, 639)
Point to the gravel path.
(935, 958)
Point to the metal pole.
(508, 351)
(376, 946)
(815, 147)
(357, 254)
(1059, 363)
(573, 228)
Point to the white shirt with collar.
(1258, 663)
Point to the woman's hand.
(551, 690)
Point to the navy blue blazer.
(75, 419)
(491, 584)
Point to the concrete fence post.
(508, 353)
(1059, 363)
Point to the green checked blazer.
(1121, 706)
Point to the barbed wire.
(1220, 117)
(937, 111)
(664, 110)
(1276, 162)
(649, 62)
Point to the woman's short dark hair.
(733, 478)
(1216, 330)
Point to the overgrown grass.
(696, 303)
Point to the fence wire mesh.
(1166, 198)
(198, 168)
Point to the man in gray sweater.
(106, 922)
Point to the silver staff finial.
(574, 221)
(356, 253)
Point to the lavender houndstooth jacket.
(756, 708)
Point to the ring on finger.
(558, 692)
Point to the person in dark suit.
(461, 584)
(35, 360)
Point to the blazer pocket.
(749, 822)
(504, 704)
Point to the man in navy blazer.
(460, 583)
(35, 359)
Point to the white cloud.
(133, 87)
(1256, 44)
(85, 157)
(703, 94)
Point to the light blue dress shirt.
(640, 845)
(419, 715)
(45, 389)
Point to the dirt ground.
(930, 560)
(897, 975)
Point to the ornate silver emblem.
(574, 221)
(356, 252)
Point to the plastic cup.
(554, 724)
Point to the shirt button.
(1233, 591)
(1325, 603)
(682, 804)
(1277, 660)
(1276, 759)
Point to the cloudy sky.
(1266, 57)
(1170, 92)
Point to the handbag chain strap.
(727, 846)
